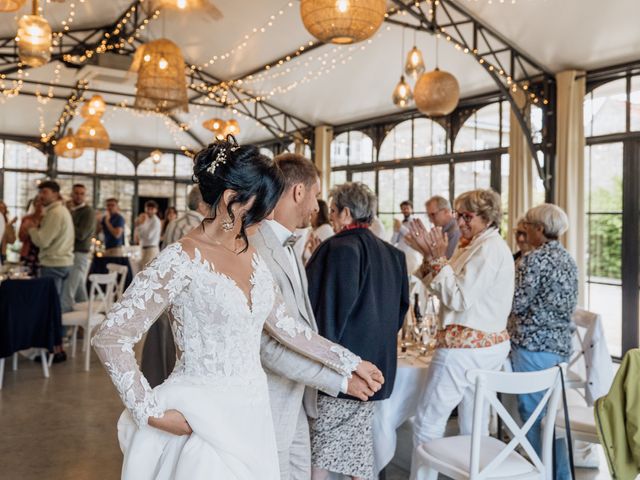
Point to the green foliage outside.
(605, 232)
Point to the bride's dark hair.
(225, 165)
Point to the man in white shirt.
(294, 379)
(198, 210)
(400, 229)
(148, 230)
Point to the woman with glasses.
(521, 240)
(475, 289)
(546, 295)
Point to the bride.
(211, 418)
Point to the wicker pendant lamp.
(232, 127)
(67, 146)
(92, 134)
(95, 107)
(11, 5)
(342, 21)
(184, 6)
(34, 39)
(215, 125)
(161, 84)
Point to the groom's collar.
(281, 232)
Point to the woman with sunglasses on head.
(475, 290)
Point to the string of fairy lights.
(253, 88)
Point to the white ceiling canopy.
(328, 84)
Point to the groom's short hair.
(296, 169)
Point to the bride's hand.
(172, 422)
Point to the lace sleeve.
(299, 337)
(150, 293)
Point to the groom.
(294, 379)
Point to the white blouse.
(476, 287)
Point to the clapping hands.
(431, 244)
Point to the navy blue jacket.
(359, 292)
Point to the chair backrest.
(121, 271)
(488, 383)
(102, 292)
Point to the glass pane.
(368, 178)
(393, 188)
(306, 151)
(429, 181)
(1, 153)
(504, 192)
(607, 301)
(429, 138)
(337, 178)
(605, 109)
(471, 175)
(19, 188)
(603, 165)
(109, 162)
(360, 148)
(506, 123)
(481, 131)
(340, 150)
(182, 190)
(85, 163)
(68, 181)
(266, 152)
(397, 144)
(635, 103)
(163, 167)
(536, 123)
(184, 166)
(21, 155)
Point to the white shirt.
(282, 233)
(149, 232)
(475, 288)
(377, 227)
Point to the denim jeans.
(58, 274)
(523, 360)
(75, 288)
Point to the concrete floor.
(64, 427)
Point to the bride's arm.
(151, 291)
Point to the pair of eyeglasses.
(520, 233)
(465, 216)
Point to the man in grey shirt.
(440, 215)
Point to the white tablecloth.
(391, 413)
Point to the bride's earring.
(227, 225)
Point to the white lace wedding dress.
(218, 383)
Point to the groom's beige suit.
(293, 378)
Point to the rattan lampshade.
(436, 93)
(11, 5)
(232, 127)
(161, 84)
(92, 134)
(95, 107)
(342, 21)
(34, 40)
(67, 146)
(216, 125)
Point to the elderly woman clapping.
(475, 289)
(545, 297)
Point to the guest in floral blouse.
(475, 289)
(545, 297)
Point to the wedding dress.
(218, 383)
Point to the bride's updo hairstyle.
(225, 165)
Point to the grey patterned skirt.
(342, 438)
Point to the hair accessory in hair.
(221, 158)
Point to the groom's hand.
(358, 388)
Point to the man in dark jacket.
(84, 225)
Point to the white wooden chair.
(479, 457)
(121, 271)
(101, 297)
(43, 358)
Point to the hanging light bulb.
(34, 39)
(414, 67)
(402, 95)
(156, 156)
(231, 128)
(95, 107)
(163, 64)
(342, 6)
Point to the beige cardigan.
(54, 237)
(475, 288)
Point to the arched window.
(352, 148)
(162, 167)
(429, 138)
(397, 143)
(605, 109)
(481, 131)
(184, 166)
(109, 162)
(85, 163)
(306, 151)
(340, 150)
(24, 157)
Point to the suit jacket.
(359, 291)
(289, 372)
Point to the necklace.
(219, 243)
